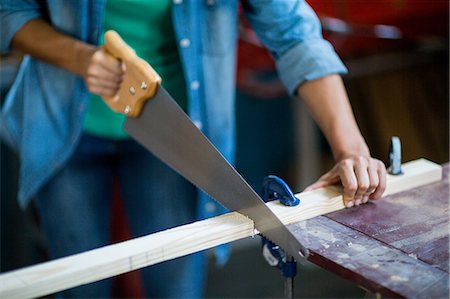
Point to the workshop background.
(397, 52)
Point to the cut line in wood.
(57, 275)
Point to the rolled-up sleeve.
(292, 32)
(13, 15)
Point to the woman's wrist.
(351, 149)
(347, 142)
(40, 40)
(83, 53)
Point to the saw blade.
(167, 132)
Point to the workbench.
(397, 246)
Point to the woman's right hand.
(103, 73)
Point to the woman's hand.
(103, 73)
(362, 177)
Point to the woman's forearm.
(101, 72)
(362, 176)
(40, 40)
(327, 101)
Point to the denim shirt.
(44, 109)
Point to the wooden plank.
(123, 257)
(370, 263)
(323, 201)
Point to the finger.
(382, 183)
(102, 91)
(111, 99)
(349, 182)
(373, 180)
(93, 82)
(317, 185)
(362, 177)
(101, 73)
(100, 82)
(113, 65)
(365, 199)
(112, 76)
(108, 62)
(326, 180)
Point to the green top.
(147, 27)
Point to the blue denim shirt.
(44, 109)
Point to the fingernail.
(365, 199)
(349, 204)
(358, 202)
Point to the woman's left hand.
(363, 178)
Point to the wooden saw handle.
(140, 81)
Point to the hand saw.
(156, 121)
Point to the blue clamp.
(394, 161)
(275, 188)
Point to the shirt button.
(185, 43)
(195, 85)
(177, 1)
(210, 207)
(198, 124)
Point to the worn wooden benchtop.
(397, 246)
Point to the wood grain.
(398, 246)
(415, 221)
(368, 262)
(108, 261)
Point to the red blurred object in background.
(357, 28)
